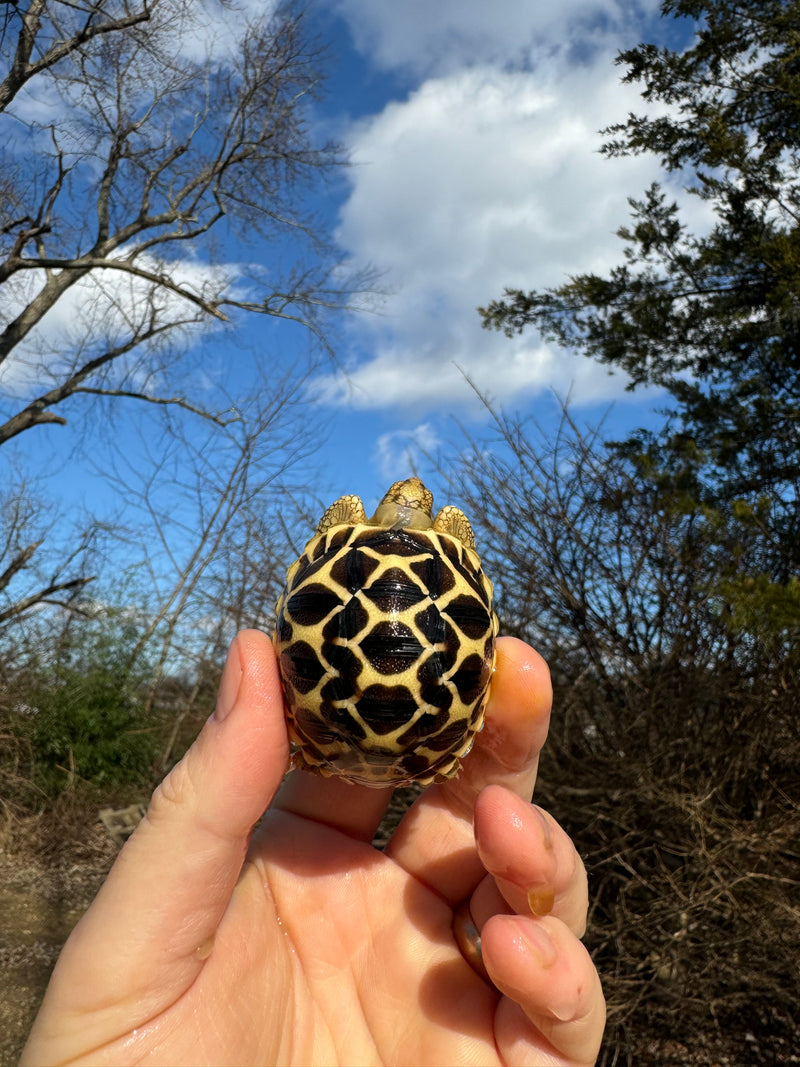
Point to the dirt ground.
(39, 905)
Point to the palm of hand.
(359, 945)
(303, 944)
(358, 957)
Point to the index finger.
(435, 841)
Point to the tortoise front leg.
(346, 511)
(452, 520)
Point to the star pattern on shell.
(385, 638)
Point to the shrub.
(80, 714)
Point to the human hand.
(299, 943)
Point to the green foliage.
(713, 317)
(82, 717)
(759, 608)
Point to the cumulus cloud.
(210, 30)
(105, 308)
(399, 452)
(426, 38)
(481, 179)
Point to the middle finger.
(533, 867)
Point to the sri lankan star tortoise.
(385, 638)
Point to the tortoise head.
(407, 505)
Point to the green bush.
(82, 716)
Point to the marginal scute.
(471, 678)
(415, 766)
(347, 723)
(446, 738)
(426, 726)
(307, 724)
(301, 666)
(385, 636)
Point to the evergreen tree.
(713, 317)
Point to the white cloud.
(402, 451)
(479, 180)
(178, 36)
(103, 309)
(426, 37)
(208, 29)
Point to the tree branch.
(126, 266)
(34, 414)
(22, 69)
(177, 401)
(18, 563)
(43, 596)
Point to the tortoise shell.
(385, 638)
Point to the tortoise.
(385, 637)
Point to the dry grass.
(695, 918)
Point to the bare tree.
(225, 575)
(143, 145)
(588, 564)
(209, 547)
(131, 139)
(26, 585)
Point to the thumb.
(143, 941)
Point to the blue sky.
(473, 131)
(473, 134)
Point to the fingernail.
(229, 683)
(541, 899)
(547, 832)
(540, 943)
